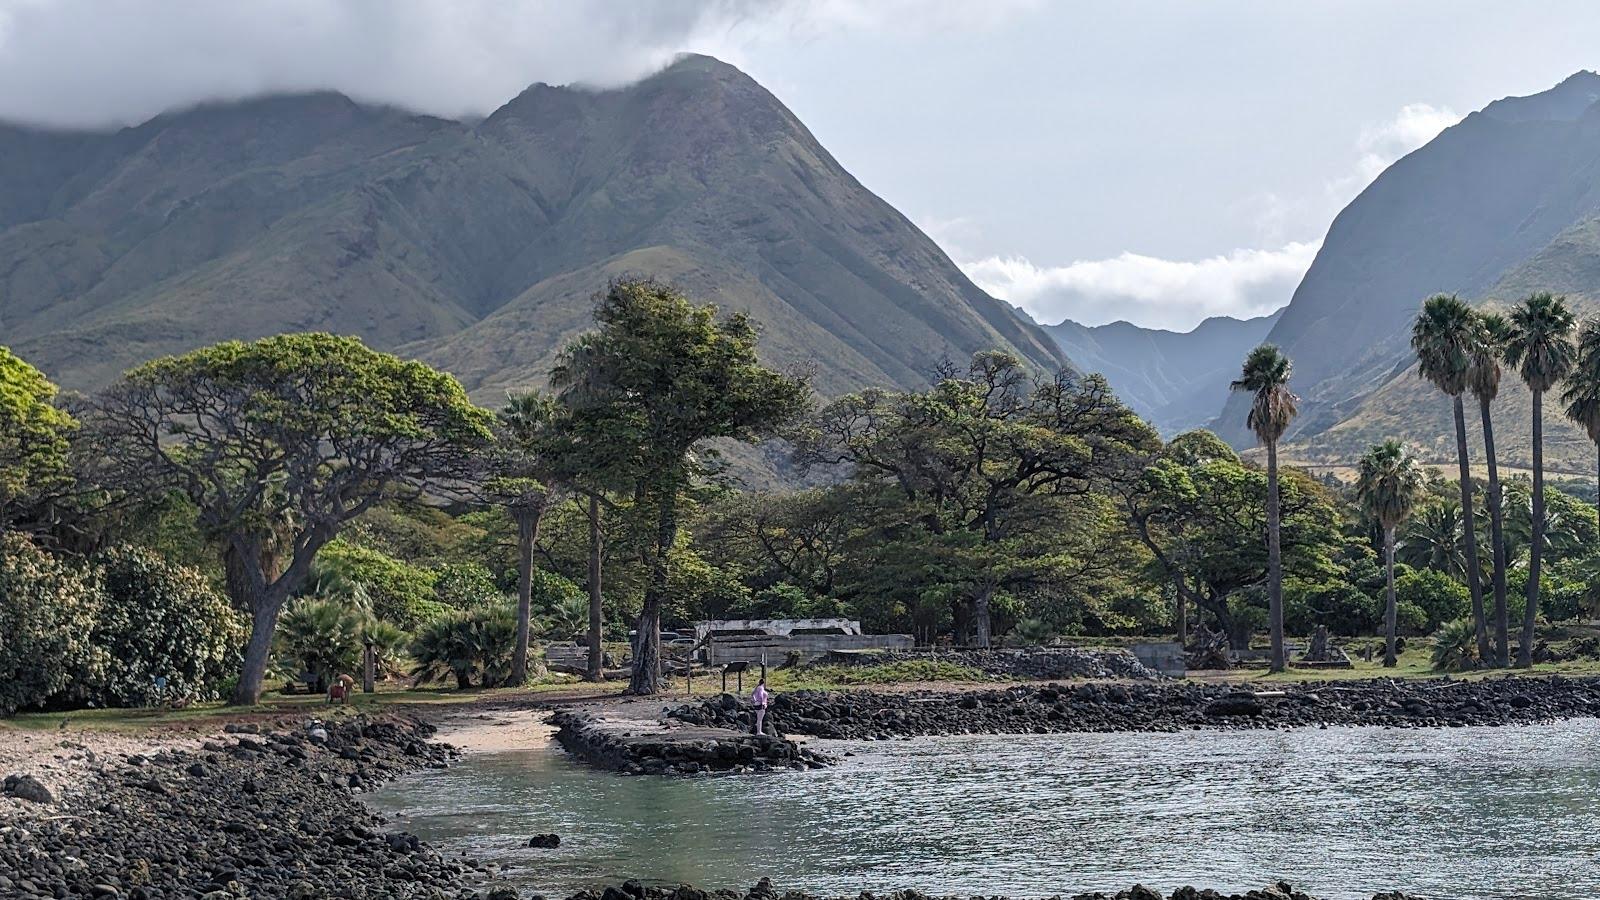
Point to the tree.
(279, 443)
(1390, 484)
(1442, 338)
(992, 465)
(658, 378)
(519, 482)
(1483, 379)
(1202, 513)
(1266, 375)
(33, 433)
(1539, 347)
(1582, 394)
(1433, 540)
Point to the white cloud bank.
(1179, 294)
(1146, 290)
(84, 63)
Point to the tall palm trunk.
(1389, 607)
(1497, 540)
(1274, 561)
(1470, 530)
(646, 678)
(1531, 611)
(596, 598)
(528, 520)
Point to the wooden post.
(369, 669)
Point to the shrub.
(1455, 646)
(1343, 607)
(320, 637)
(475, 644)
(400, 592)
(1440, 597)
(161, 620)
(466, 586)
(47, 618)
(1410, 619)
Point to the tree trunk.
(1182, 612)
(1274, 562)
(596, 598)
(258, 651)
(1502, 624)
(1531, 612)
(980, 615)
(528, 520)
(1389, 609)
(1469, 530)
(646, 678)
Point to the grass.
(276, 704)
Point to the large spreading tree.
(279, 443)
(993, 464)
(659, 377)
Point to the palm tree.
(520, 484)
(1539, 346)
(1266, 375)
(1442, 338)
(1483, 379)
(1582, 395)
(1433, 541)
(1389, 483)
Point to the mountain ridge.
(314, 211)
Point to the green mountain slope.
(476, 247)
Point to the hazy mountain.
(1493, 207)
(474, 246)
(1175, 380)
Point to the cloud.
(1179, 294)
(80, 63)
(1147, 290)
(1381, 144)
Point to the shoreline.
(256, 807)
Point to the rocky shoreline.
(636, 749)
(272, 814)
(763, 890)
(1162, 707)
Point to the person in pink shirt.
(759, 701)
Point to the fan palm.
(521, 487)
(1442, 338)
(1390, 483)
(1539, 346)
(1582, 394)
(1483, 379)
(1265, 375)
(1433, 540)
(320, 637)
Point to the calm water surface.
(1453, 813)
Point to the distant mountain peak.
(1566, 102)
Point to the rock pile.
(1163, 706)
(1033, 663)
(635, 750)
(257, 815)
(634, 890)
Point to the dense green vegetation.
(282, 509)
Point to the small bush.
(466, 586)
(472, 646)
(1455, 646)
(1440, 597)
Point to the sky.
(1157, 161)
